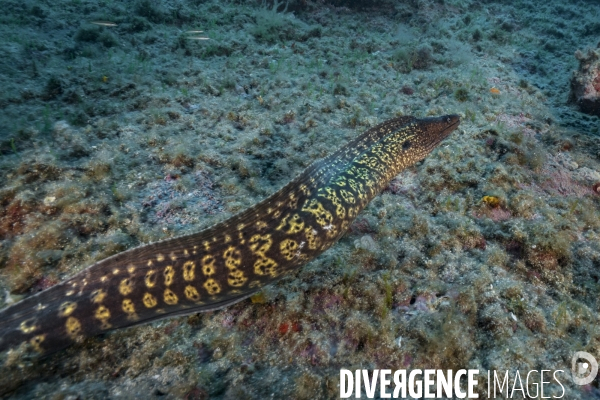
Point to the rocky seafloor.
(484, 256)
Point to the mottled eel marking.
(231, 260)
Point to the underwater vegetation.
(116, 136)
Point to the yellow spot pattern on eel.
(102, 314)
(28, 326)
(212, 287)
(288, 248)
(208, 265)
(128, 307)
(192, 293)
(170, 297)
(188, 270)
(149, 300)
(126, 286)
(150, 278)
(73, 327)
(169, 275)
(229, 261)
(66, 308)
(98, 296)
(36, 343)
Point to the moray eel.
(231, 260)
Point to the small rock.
(366, 243)
(218, 353)
(572, 165)
(587, 174)
(49, 200)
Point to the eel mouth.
(444, 126)
(453, 120)
(439, 129)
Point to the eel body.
(231, 260)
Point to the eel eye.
(406, 145)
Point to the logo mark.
(583, 372)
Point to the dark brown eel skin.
(231, 260)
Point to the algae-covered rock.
(585, 84)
